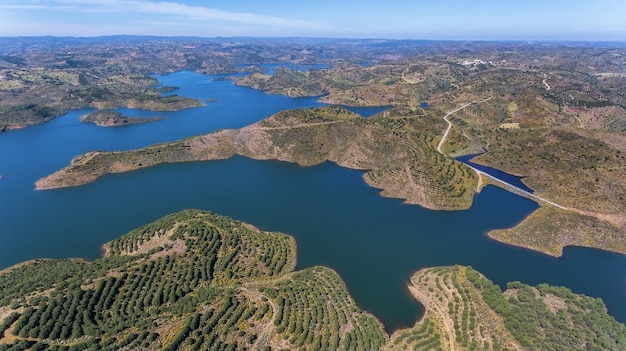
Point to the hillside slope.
(194, 280)
(397, 151)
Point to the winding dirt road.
(495, 181)
(545, 83)
(445, 118)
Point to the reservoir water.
(374, 243)
(509, 178)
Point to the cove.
(509, 178)
(374, 243)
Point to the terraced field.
(195, 280)
(192, 280)
(466, 311)
(458, 311)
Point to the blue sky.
(437, 19)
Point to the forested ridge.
(195, 280)
(192, 280)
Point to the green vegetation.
(398, 151)
(572, 168)
(555, 318)
(157, 102)
(36, 277)
(459, 317)
(191, 280)
(466, 311)
(424, 336)
(237, 290)
(354, 85)
(41, 84)
(317, 327)
(15, 115)
(550, 229)
(107, 118)
(194, 280)
(16, 60)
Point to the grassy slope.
(563, 155)
(550, 229)
(571, 167)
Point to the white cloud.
(163, 9)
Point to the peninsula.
(399, 153)
(554, 120)
(551, 113)
(197, 280)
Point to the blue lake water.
(366, 111)
(509, 178)
(374, 243)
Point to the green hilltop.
(192, 280)
(195, 280)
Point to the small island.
(108, 118)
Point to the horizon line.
(529, 40)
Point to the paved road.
(515, 190)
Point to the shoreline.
(109, 118)
(279, 136)
(551, 230)
(407, 172)
(105, 250)
(442, 290)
